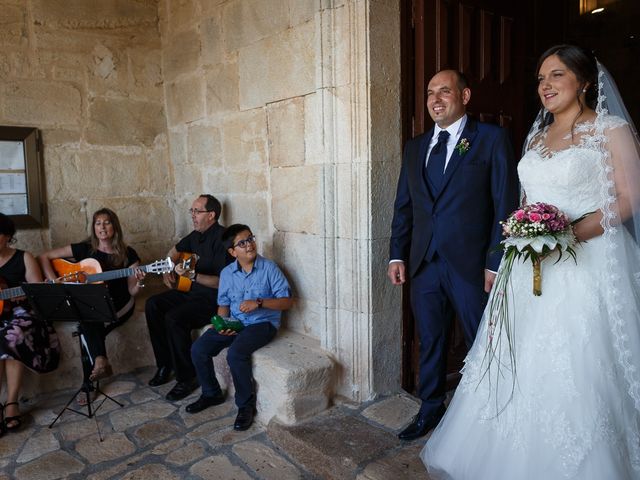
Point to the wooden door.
(484, 40)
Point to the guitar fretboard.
(105, 276)
(11, 293)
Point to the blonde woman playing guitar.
(106, 245)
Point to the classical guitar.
(90, 271)
(188, 260)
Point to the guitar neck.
(11, 293)
(113, 274)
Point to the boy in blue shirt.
(254, 291)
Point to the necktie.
(435, 164)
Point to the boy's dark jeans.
(241, 346)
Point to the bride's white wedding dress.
(569, 414)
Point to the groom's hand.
(489, 279)
(396, 272)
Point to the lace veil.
(615, 136)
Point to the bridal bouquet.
(532, 232)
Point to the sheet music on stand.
(79, 303)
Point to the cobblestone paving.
(152, 438)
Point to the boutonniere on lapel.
(463, 146)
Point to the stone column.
(360, 41)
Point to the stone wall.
(88, 74)
(289, 111)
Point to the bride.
(571, 407)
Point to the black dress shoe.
(205, 402)
(162, 376)
(421, 425)
(244, 418)
(182, 390)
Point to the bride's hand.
(489, 279)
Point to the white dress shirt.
(455, 131)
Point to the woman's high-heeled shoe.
(12, 423)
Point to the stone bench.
(294, 376)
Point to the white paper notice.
(13, 204)
(13, 183)
(11, 155)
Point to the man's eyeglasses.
(245, 242)
(195, 211)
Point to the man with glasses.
(172, 315)
(254, 292)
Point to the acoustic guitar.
(188, 260)
(90, 271)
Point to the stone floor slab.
(265, 461)
(404, 463)
(218, 466)
(187, 454)
(229, 436)
(144, 395)
(116, 471)
(71, 432)
(170, 446)
(37, 446)
(118, 387)
(49, 467)
(394, 412)
(11, 445)
(153, 471)
(154, 432)
(332, 446)
(206, 429)
(137, 415)
(112, 447)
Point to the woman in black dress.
(24, 339)
(106, 244)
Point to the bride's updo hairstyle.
(584, 66)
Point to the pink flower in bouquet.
(535, 217)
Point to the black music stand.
(80, 303)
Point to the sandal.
(13, 423)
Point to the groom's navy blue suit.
(446, 237)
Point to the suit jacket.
(479, 189)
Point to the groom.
(457, 181)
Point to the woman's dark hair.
(117, 242)
(231, 232)
(584, 66)
(7, 227)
